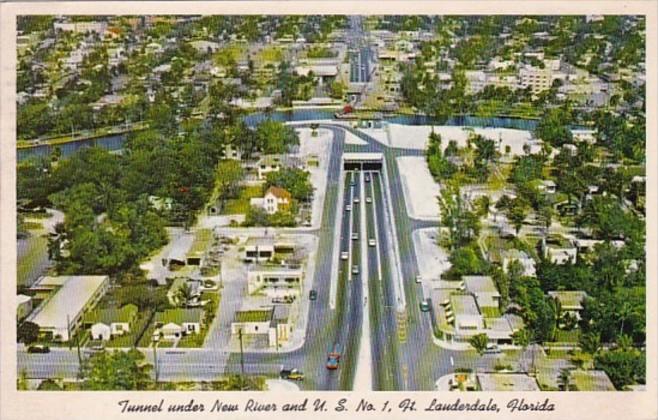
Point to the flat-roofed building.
(61, 314)
(275, 280)
(506, 382)
(484, 290)
(528, 264)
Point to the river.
(115, 142)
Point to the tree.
(118, 370)
(183, 294)
(624, 367)
(295, 181)
(479, 343)
(521, 338)
(228, 175)
(275, 137)
(28, 332)
(337, 89)
(590, 342)
(554, 127)
(466, 260)
(517, 213)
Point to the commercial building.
(271, 323)
(275, 280)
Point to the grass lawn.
(165, 344)
(128, 340)
(146, 339)
(240, 205)
(567, 336)
(498, 178)
(228, 54)
(36, 248)
(270, 54)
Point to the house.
(176, 323)
(527, 263)
(591, 380)
(23, 306)
(274, 200)
(275, 280)
(483, 289)
(559, 250)
(232, 152)
(108, 323)
(571, 302)
(547, 186)
(273, 163)
(67, 300)
(273, 322)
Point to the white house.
(275, 199)
(108, 323)
(176, 323)
(274, 322)
(527, 262)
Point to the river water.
(115, 142)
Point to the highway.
(403, 354)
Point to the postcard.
(328, 209)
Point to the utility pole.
(241, 360)
(155, 362)
(68, 330)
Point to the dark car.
(38, 349)
(312, 295)
(424, 306)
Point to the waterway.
(115, 142)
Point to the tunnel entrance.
(362, 161)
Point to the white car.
(356, 200)
(355, 236)
(348, 208)
(419, 279)
(344, 255)
(371, 242)
(368, 200)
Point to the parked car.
(312, 295)
(38, 348)
(425, 306)
(344, 255)
(492, 349)
(292, 374)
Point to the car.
(291, 374)
(348, 208)
(352, 183)
(333, 358)
(372, 242)
(355, 269)
(38, 348)
(355, 236)
(492, 349)
(344, 255)
(368, 200)
(356, 200)
(419, 279)
(425, 306)
(312, 295)
(367, 178)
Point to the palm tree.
(183, 294)
(479, 343)
(624, 312)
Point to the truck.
(333, 357)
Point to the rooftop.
(507, 382)
(464, 305)
(591, 380)
(179, 315)
(569, 299)
(280, 193)
(254, 315)
(108, 316)
(68, 301)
